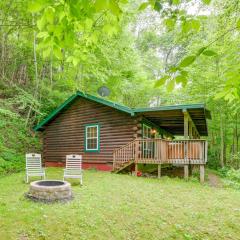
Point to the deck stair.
(123, 166)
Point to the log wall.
(65, 134)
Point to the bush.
(15, 141)
(223, 171)
(11, 166)
(232, 178)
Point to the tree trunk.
(222, 141)
(36, 73)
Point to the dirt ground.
(212, 179)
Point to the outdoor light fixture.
(153, 131)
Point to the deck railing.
(160, 151)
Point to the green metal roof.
(87, 96)
(131, 111)
(173, 107)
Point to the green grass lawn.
(111, 206)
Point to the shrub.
(15, 141)
(232, 178)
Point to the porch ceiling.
(172, 120)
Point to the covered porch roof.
(171, 118)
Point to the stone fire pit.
(50, 191)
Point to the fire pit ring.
(50, 191)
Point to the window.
(92, 137)
(146, 131)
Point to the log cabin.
(111, 136)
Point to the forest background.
(148, 53)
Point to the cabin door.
(147, 146)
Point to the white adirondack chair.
(34, 166)
(73, 167)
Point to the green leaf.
(36, 5)
(157, 6)
(57, 52)
(206, 1)
(110, 29)
(181, 79)
(161, 81)
(173, 69)
(192, 24)
(101, 5)
(187, 61)
(200, 51)
(143, 6)
(58, 31)
(184, 73)
(75, 61)
(175, 2)
(220, 95)
(41, 23)
(42, 34)
(170, 23)
(238, 23)
(88, 23)
(46, 52)
(195, 24)
(49, 15)
(186, 26)
(114, 7)
(170, 85)
(44, 43)
(209, 53)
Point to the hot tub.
(50, 191)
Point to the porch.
(183, 124)
(161, 151)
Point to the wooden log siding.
(65, 134)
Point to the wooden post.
(206, 152)
(202, 173)
(159, 170)
(136, 169)
(190, 130)
(190, 169)
(186, 171)
(190, 137)
(114, 160)
(188, 125)
(136, 150)
(136, 155)
(194, 134)
(185, 125)
(186, 136)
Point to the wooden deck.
(161, 151)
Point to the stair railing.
(124, 154)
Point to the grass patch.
(111, 206)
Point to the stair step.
(123, 166)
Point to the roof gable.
(70, 100)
